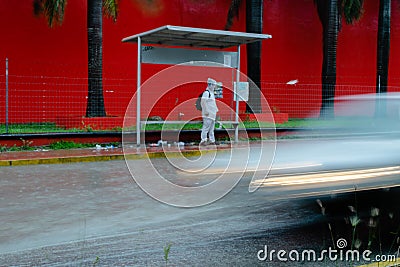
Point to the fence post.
(6, 95)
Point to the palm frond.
(53, 10)
(111, 9)
(232, 13)
(37, 7)
(352, 10)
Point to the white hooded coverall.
(209, 111)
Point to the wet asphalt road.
(94, 214)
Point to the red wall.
(295, 52)
(48, 66)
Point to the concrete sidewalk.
(97, 154)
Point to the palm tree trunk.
(95, 103)
(254, 24)
(329, 16)
(383, 49)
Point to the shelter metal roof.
(195, 37)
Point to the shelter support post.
(236, 124)
(138, 85)
(6, 95)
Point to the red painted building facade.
(48, 66)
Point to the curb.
(60, 160)
(96, 158)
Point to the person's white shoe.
(203, 143)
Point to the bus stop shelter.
(176, 44)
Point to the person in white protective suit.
(209, 113)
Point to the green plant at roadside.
(319, 202)
(49, 127)
(72, 145)
(68, 145)
(87, 128)
(166, 252)
(373, 224)
(12, 148)
(26, 144)
(44, 127)
(194, 125)
(3, 148)
(396, 238)
(96, 261)
(368, 229)
(117, 129)
(354, 221)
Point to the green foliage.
(96, 261)
(68, 145)
(48, 127)
(53, 10)
(166, 252)
(12, 148)
(233, 12)
(367, 230)
(3, 148)
(72, 145)
(45, 127)
(352, 10)
(255, 124)
(26, 144)
(172, 126)
(111, 9)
